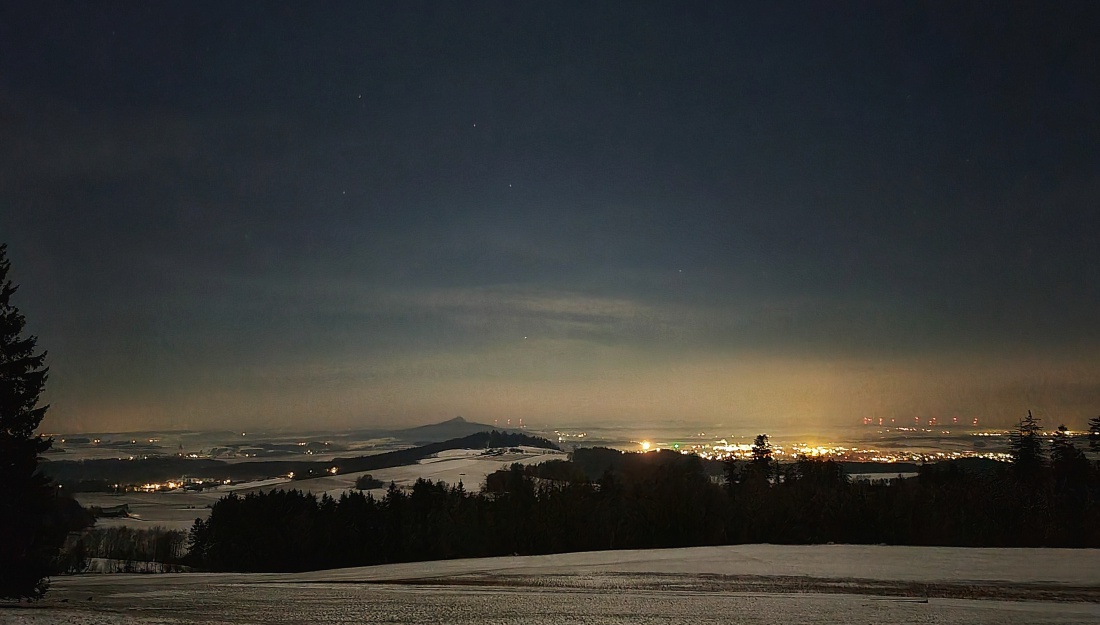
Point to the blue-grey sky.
(275, 214)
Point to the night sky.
(297, 215)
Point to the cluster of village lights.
(722, 450)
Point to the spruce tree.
(1026, 447)
(762, 451)
(761, 464)
(1067, 463)
(31, 529)
(1062, 449)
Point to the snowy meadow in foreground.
(748, 583)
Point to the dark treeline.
(661, 499)
(123, 550)
(102, 474)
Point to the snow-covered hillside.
(709, 585)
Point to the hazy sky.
(271, 214)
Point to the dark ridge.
(457, 427)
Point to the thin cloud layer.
(706, 214)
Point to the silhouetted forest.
(662, 499)
(123, 550)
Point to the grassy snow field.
(743, 584)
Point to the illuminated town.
(926, 447)
(740, 451)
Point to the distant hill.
(477, 440)
(445, 431)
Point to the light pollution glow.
(577, 384)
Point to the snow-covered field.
(179, 509)
(736, 584)
(469, 466)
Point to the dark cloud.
(232, 212)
